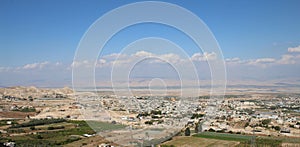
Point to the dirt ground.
(90, 142)
(15, 114)
(184, 141)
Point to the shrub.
(247, 124)
(187, 132)
(266, 121)
(39, 136)
(32, 128)
(149, 122)
(277, 128)
(156, 112)
(54, 128)
(211, 130)
(37, 122)
(195, 115)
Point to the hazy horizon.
(259, 40)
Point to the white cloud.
(289, 59)
(83, 64)
(171, 58)
(101, 63)
(124, 59)
(294, 49)
(233, 60)
(237, 67)
(204, 57)
(261, 61)
(143, 54)
(37, 65)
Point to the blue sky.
(34, 31)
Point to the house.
(9, 144)
(105, 145)
(87, 135)
(285, 130)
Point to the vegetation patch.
(37, 122)
(104, 126)
(224, 136)
(52, 135)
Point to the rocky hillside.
(33, 92)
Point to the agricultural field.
(244, 140)
(51, 132)
(225, 139)
(224, 136)
(187, 141)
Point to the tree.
(277, 128)
(32, 128)
(246, 125)
(197, 128)
(187, 132)
(30, 98)
(211, 130)
(266, 121)
(39, 136)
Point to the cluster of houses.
(231, 115)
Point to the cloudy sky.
(260, 41)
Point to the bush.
(164, 145)
(149, 122)
(39, 136)
(247, 124)
(196, 128)
(26, 109)
(71, 139)
(266, 121)
(195, 115)
(156, 112)
(187, 132)
(155, 116)
(16, 131)
(54, 128)
(268, 142)
(277, 128)
(37, 122)
(211, 130)
(32, 128)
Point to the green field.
(104, 126)
(224, 136)
(52, 132)
(246, 140)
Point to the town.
(146, 120)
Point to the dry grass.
(15, 114)
(183, 141)
(89, 142)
